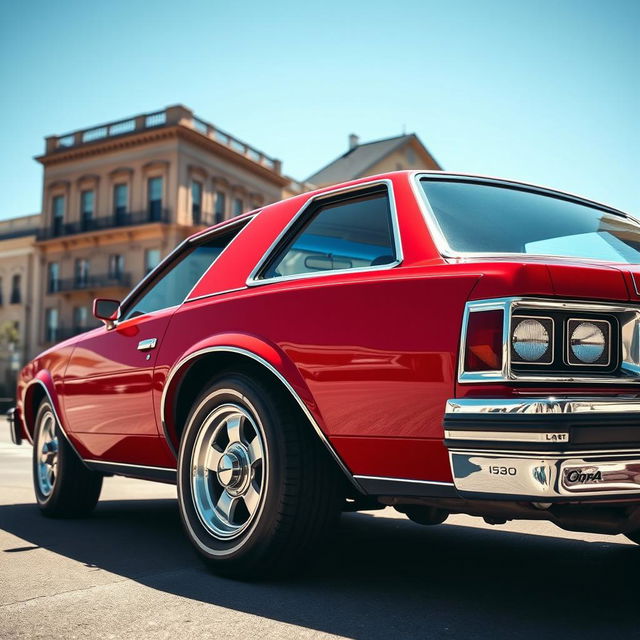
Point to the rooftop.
(360, 158)
(170, 116)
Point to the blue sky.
(545, 91)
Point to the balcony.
(103, 281)
(59, 228)
(171, 116)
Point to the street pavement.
(128, 572)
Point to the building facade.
(18, 282)
(119, 197)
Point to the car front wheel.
(64, 487)
(256, 490)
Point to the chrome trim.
(252, 280)
(568, 343)
(213, 295)
(442, 244)
(507, 436)
(635, 283)
(128, 465)
(629, 336)
(612, 453)
(549, 405)
(55, 413)
(230, 349)
(148, 344)
(510, 475)
(435, 482)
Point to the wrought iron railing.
(105, 222)
(101, 281)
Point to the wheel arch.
(35, 392)
(190, 374)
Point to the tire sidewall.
(243, 392)
(44, 501)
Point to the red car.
(441, 343)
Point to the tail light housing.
(483, 346)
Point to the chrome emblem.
(579, 476)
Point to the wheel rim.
(47, 454)
(228, 471)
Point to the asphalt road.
(128, 572)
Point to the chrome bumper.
(14, 426)
(545, 449)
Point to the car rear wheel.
(64, 487)
(256, 490)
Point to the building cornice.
(130, 140)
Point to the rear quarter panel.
(376, 355)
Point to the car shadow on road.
(379, 578)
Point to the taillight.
(483, 348)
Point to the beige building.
(118, 197)
(18, 275)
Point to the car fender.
(271, 358)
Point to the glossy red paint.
(372, 355)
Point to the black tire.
(300, 486)
(63, 485)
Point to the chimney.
(353, 141)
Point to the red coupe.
(437, 342)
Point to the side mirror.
(106, 310)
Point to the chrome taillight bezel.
(627, 341)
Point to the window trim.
(440, 240)
(157, 271)
(254, 281)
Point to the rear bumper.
(545, 449)
(14, 426)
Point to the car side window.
(347, 233)
(173, 285)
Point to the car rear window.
(485, 218)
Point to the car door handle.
(147, 345)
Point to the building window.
(116, 266)
(196, 202)
(16, 289)
(120, 202)
(51, 325)
(151, 259)
(87, 200)
(220, 206)
(80, 319)
(82, 273)
(154, 196)
(238, 206)
(57, 208)
(53, 277)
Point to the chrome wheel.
(47, 443)
(228, 470)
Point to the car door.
(108, 382)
